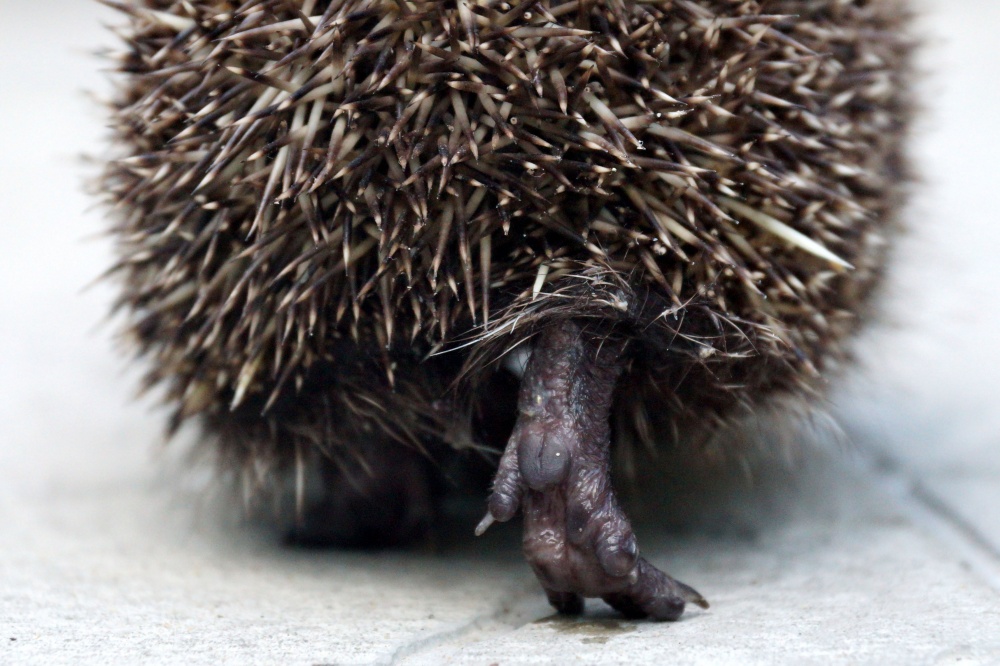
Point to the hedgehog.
(357, 238)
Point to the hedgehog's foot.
(557, 469)
(378, 498)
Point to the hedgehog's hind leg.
(556, 467)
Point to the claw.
(484, 524)
(691, 595)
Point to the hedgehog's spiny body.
(319, 194)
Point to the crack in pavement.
(516, 608)
(932, 514)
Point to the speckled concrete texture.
(881, 550)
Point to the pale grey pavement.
(881, 549)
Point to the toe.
(625, 605)
(665, 608)
(504, 505)
(617, 553)
(658, 595)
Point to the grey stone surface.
(111, 553)
(927, 396)
(844, 580)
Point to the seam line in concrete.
(928, 512)
(507, 618)
(972, 535)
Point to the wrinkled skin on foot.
(556, 469)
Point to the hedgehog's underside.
(332, 213)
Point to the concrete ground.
(886, 550)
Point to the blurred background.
(102, 554)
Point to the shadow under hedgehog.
(335, 219)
